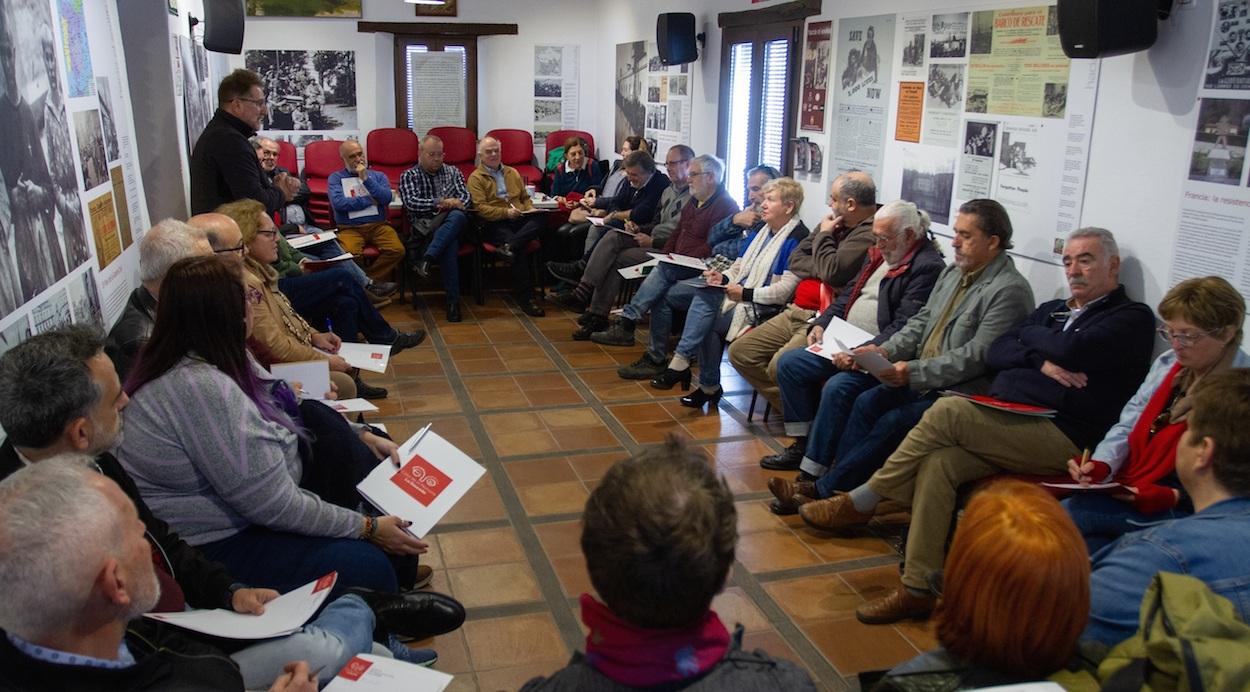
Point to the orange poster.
(910, 109)
(108, 246)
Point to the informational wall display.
(652, 99)
(865, 53)
(1213, 230)
(556, 93)
(438, 90)
(816, 52)
(68, 176)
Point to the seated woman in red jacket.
(1202, 321)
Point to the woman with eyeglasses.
(222, 452)
(1202, 322)
(332, 297)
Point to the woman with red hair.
(1016, 595)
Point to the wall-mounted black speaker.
(674, 34)
(1102, 28)
(223, 26)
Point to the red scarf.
(1151, 457)
(172, 599)
(640, 657)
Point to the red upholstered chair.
(320, 160)
(287, 158)
(459, 147)
(392, 150)
(556, 139)
(517, 149)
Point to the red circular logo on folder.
(355, 668)
(421, 480)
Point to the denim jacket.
(1204, 546)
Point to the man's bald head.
(222, 232)
(352, 154)
(489, 152)
(853, 197)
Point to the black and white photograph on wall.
(657, 117)
(1052, 26)
(547, 110)
(303, 8)
(1219, 151)
(798, 156)
(196, 104)
(655, 92)
(307, 90)
(14, 334)
(815, 161)
(946, 88)
(950, 35)
(36, 158)
(1054, 99)
(1228, 60)
(84, 299)
(1016, 156)
(91, 149)
(548, 61)
(928, 179)
(10, 288)
(655, 64)
(547, 88)
(982, 33)
(678, 85)
(979, 138)
(111, 148)
(978, 100)
(631, 67)
(53, 312)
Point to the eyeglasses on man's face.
(236, 250)
(255, 102)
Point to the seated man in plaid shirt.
(436, 199)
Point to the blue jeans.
(444, 249)
(343, 629)
(661, 293)
(880, 418)
(704, 334)
(1102, 519)
(332, 299)
(277, 560)
(331, 250)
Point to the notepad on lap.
(369, 672)
(840, 337)
(310, 239)
(371, 357)
(1001, 405)
(434, 476)
(283, 615)
(313, 376)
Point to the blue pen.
(329, 325)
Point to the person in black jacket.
(1082, 357)
(223, 165)
(59, 393)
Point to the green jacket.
(289, 258)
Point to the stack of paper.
(369, 672)
(311, 376)
(317, 265)
(309, 239)
(840, 337)
(355, 187)
(433, 478)
(371, 357)
(352, 406)
(283, 615)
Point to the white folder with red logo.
(369, 672)
(434, 476)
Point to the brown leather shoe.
(835, 513)
(897, 605)
(790, 495)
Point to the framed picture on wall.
(303, 8)
(447, 9)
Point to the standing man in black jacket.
(223, 164)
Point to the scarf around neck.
(757, 267)
(640, 657)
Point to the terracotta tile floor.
(548, 416)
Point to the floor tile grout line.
(544, 574)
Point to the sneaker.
(417, 657)
(422, 268)
(365, 390)
(383, 289)
(616, 335)
(644, 368)
(406, 340)
(567, 271)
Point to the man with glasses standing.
(224, 167)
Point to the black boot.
(591, 323)
(670, 377)
(698, 398)
(788, 459)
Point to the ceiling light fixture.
(426, 2)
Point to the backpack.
(1190, 639)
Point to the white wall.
(1145, 115)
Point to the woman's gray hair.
(1104, 237)
(713, 165)
(165, 243)
(56, 530)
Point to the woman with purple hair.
(214, 445)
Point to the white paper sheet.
(369, 672)
(313, 376)
(872, 362)
(371, 357)
(310, 239)
(352, 406)
(355, 187)
(595, 220)
(283, 615)
(680, 260)
(638, 270)
(433, 478)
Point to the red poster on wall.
(815, 76)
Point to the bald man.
(502, 202)
(359, 198)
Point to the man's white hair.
(56, 530)
(165, 243)
(903, 215)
